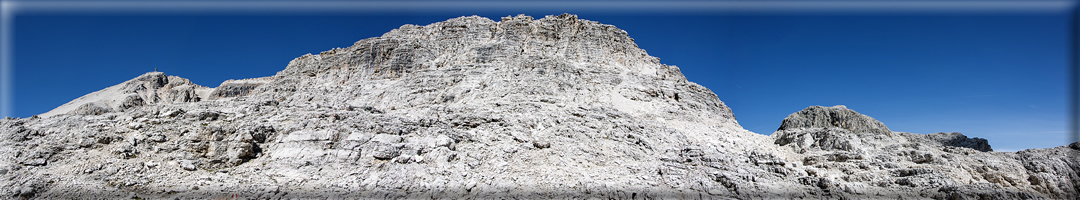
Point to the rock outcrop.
(557, 107)
(831, 128)
(858, 151)
(152, 88)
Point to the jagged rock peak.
(477, 42)
(468, 61)
(833, 117)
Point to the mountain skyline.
(999, 76)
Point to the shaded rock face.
(831, 128)
(955, 139)
(237, 88)
(840, 128)
(833, 117)
(556, 107)
(91, 109)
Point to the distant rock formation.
(833, 117)
(556, 107)
(152, 88)
(955, 139)
(865, 155)
(830, 128)
(839, 128)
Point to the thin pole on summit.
(1074, 76)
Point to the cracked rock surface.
(556, 107)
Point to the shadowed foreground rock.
(473, 108)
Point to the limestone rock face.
(959, 140)
(235, 88)
(152, 88)
(841, 143)
(833, 117)
(556, 107)
(831, 128)
(518, 63)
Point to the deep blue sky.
(999, 76)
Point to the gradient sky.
(1000, 76)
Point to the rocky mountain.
(556, 107)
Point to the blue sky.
(995, 75)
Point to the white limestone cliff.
(556, 107)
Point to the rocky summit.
(557, 107)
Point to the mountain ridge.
(556, 107)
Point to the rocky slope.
(551, 108)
